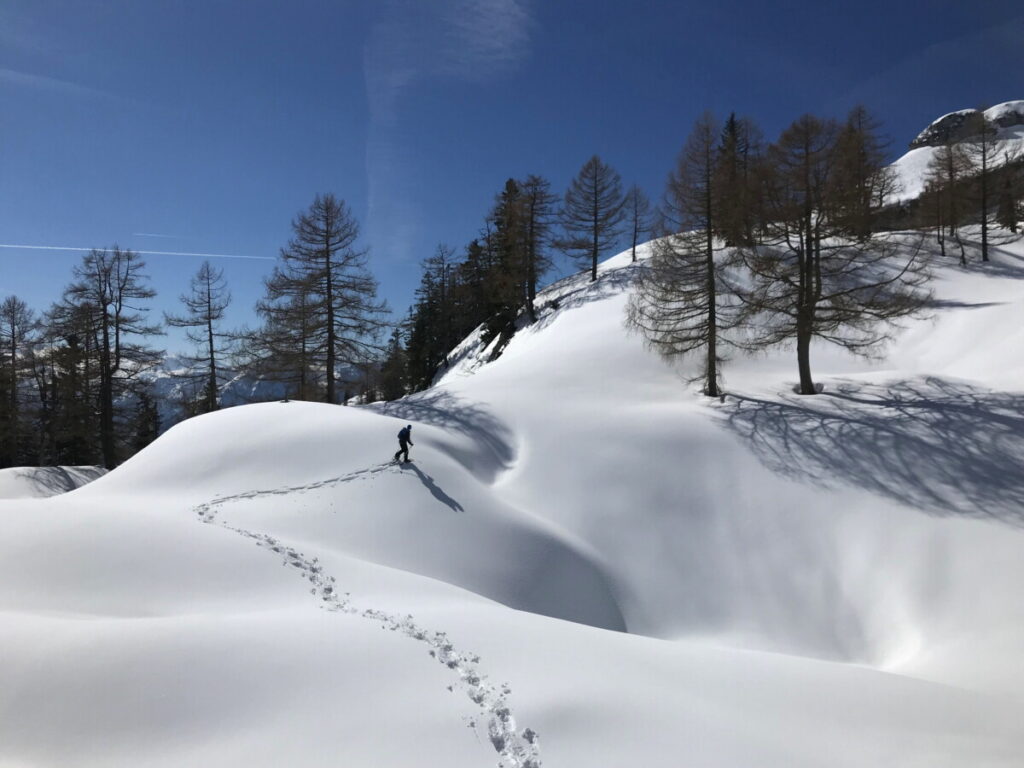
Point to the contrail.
(147, 253)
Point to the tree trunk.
(711, 386)
(803, 356)
(984, 203)
(107, 401)
(331, 386)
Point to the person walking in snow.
(404, 441)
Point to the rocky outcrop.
(957, 126)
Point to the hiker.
(404, 441)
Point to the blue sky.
(204, 126)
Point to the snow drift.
(586, 563)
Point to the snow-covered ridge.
(955, 126)
(911, 170)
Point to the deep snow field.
(586, 564)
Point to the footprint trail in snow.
(515, 748)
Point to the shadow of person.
(431, 486)
(941, 446)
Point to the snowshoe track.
(516, 748)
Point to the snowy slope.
(40, 482)
(911, 169)
(660, 581)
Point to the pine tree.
(676, 306)
(592, 213)
(204, 310)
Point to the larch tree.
(109, 292)
(813, 278)
(18, 327)
(638, 217)
(676, 306)
(323, 265)
(592, 213)
(946, 186)
(861, 181)
(981, 153)
(539, 207)
(736, 179)
(205, 304)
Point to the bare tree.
(538, 215)
(945, 183)
(638, 216)
(739, 155)
(676, 306)
(812, 279)
(18, 328)
(108, 294)
(324, 277)
(862, 180)
(981, 154)
(592, 213)
(204, 310)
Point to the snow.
(586, 563)
(41, 482)
(911, 169)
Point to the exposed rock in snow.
(956, 126)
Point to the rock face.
(957, 126)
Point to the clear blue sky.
(205, 126)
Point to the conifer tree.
(324, 291)
(105, 299)
(638, 216)
(539, 205)
(592, 213)
(1007, 208)
(204, 310)
(18, 327)
(861, 181)
(677, 304)
(980, 152)
(393, 369)
(812, 279)
(736, 181)
(945, 183)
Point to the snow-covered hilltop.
(911, 169)
(586, 564)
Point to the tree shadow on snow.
(440, 408)
(431, 486)
(52, 481)
(944, 447)
(576, 290)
